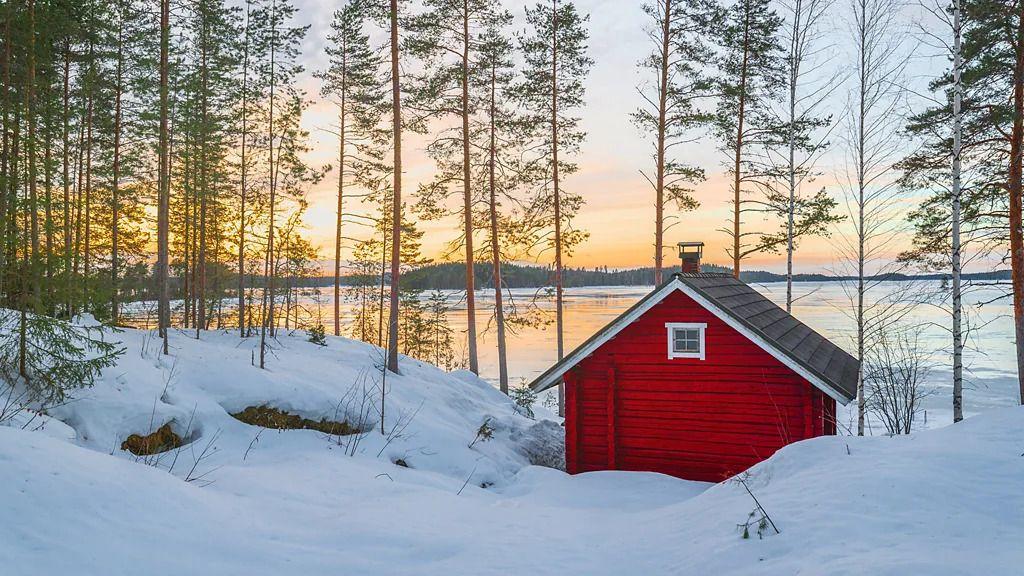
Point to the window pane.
(686, 340)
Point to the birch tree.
(955, 217)
(964, 139)
(872, 145)
(808, 91)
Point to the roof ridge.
(709, 290)
(702, 275)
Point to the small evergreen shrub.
(52, 356)
(524, 397)
(317, 335)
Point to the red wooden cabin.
(701, 379)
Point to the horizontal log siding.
(696, 419)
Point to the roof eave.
(552, 376)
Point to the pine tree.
(164, 181)
(555, 51)
(353, 81)
(672, 102)
(45, 355)
(751, 77)
(206, 125)
(1015, 183)
(446, 37)
(396, 192)
(500, 168)
(284, 137)
(249, 93)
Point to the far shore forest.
(155, 149)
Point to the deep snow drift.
(949, 501)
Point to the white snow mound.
(238, 500)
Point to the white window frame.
(671, 327)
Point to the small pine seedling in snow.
(524, 397)
(317, 335)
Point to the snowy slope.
(430, 416)
(949, 501)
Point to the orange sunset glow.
(619, 209)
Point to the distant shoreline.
(452, 276)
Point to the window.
(685, 340)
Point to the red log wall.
(629, 407)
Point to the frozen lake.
(990, 375)
(989, 357)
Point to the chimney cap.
(690, 249)
(690, 254)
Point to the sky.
(619, 210)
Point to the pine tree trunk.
(738, 152)
(66, 152)
(87, 200)
(243, 173)
(114, 185)
(341, 190)
(163, 208)
(76, 253)
(659, 201)
(559, 322)
(396, 216)
(5, 149)
(33, 198)
(1014, 186)
(203, 184)
(268, 288)
(467, 199)
(187, 270)
(499, 308)
(48, 201)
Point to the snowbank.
(257, 502)
(431, 417)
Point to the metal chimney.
(689, 253)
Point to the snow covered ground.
(241, 500)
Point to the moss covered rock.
(161, 440)
(269, 417)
